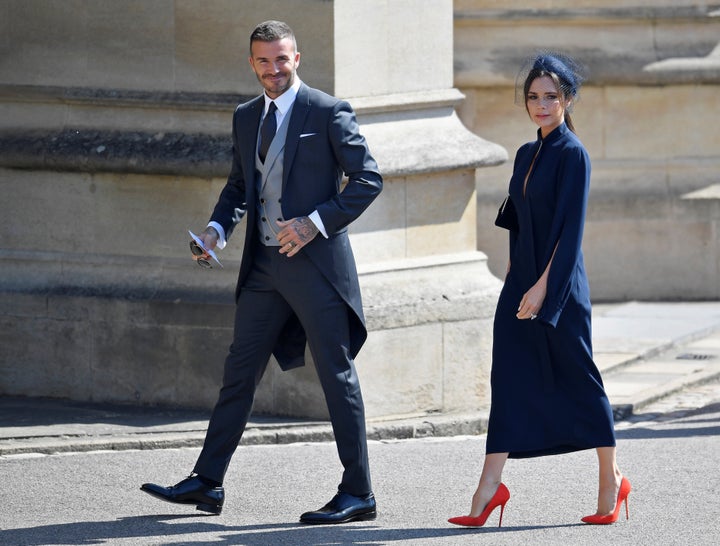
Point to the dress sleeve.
(567, 232)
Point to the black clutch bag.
(507, 216)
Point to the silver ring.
(292, 245)
(533, 316)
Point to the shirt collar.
(285, 101)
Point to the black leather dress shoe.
(190, 491)
(343, 508)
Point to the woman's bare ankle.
(484, 492)
(607, 497)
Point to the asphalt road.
(672, 458)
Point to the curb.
(648, 396)
(433, 425)
(419, 427)
(429, 426)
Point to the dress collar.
(559, 131)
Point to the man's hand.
(295, 234)
(209, 238)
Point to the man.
(298, 280)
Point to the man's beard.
(277, 87)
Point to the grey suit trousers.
(276, 287)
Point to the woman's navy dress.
(547, 393)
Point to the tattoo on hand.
(305, 229)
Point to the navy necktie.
(267, 131)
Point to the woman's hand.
(533, 299)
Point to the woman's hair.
(271, 31)
(564, 73)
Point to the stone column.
(428, 295)
(120, 120)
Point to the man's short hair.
(271, 31)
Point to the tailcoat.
(323, 143)
(312, 297)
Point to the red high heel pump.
(612, 518)
(501, 496)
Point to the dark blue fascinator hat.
(570, 74)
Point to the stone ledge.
(402, 147)
(412, 133)
(418, 100)
(709, 193)
(432, 425)
(667, 13)
(109, 97)
(444, 289)
(183, 100)
(483, 59)
(200, 155)
(687, 69)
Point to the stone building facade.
(647, 115)
(114, 129)
(114, 124)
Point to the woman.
(547, 394)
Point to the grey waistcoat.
(269, 182)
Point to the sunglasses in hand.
(200, 255)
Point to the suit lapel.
(247, 140)
(278, 143)
(297, 121)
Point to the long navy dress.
(547, 393)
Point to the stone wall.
(115, 140)
(114, 123)
(646, 115)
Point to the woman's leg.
(609, 480)
(490, 479)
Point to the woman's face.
(545, 104)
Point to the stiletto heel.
(502, 510)
(627, 505)
(623, 494)
(500, 498)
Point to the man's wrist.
(221, 238)
(315, 219)
(306, 229)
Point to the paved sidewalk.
(646, 351)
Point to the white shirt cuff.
(315, 217)
(221, 232)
